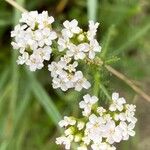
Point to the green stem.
(96, 84)
(105, 92)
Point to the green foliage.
(29, 108)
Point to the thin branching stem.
(61, 6)
(129, 82)
(16, 5)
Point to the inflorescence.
(99, 129)
(37, 41)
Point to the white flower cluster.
(33, 38)
(65, 75)
(99, 129)
(79, 44)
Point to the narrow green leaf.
(107, 40)
(3, 145)
(112, 60)
(18, 117)
(3, 78)
(22, 108)
(4, 23)
(4, 94)
(15, 71)
(22, 136)
(44, 99)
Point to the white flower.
(130, 112)
(94, 47)
(102, 146)
(117, 102)
(31, 44)
(71, 67)
(47, 37)
(18, 29)
(76, 52)
(92, 30)
(121, 116)
(80, 51)
(44, 52)
(21, 39)
(80, 82)
(59, 83)
(112, 132)
(56, 68)
(35, 62)
(44, 20)
(67, 121)
(65, 141)
(71, 28)
(87, 104)
(94, 128)
(33, 19)
(30, 18)
(127, 130)
(62, 43)
(22, 59)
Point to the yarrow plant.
(37, 41)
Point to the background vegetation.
(30, 108)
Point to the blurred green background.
(30, 108)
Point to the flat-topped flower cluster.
(37, 40)
(33, 38)
(65, 75)
(99, 129)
